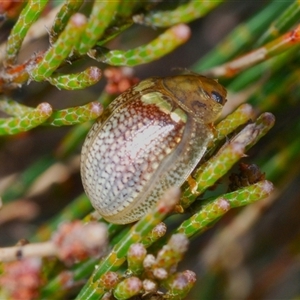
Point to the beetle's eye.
(217, 97)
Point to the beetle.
(149, 138)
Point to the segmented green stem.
(212, 209)
(27, 121)
(238, 117)
(93, 290)
(250, 194)
(101, 15)
(213, 169)
(184, 13)
(75, 115)
(76, 81)
(29, 15)
(163, 44)
(63, 47)
(62, 18)
(68, 116)
(209, 172)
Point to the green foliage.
(258, 62)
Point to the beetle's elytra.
(150, 138)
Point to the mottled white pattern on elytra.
(130, 146)
(173, 170)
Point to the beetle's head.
(203, 97)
